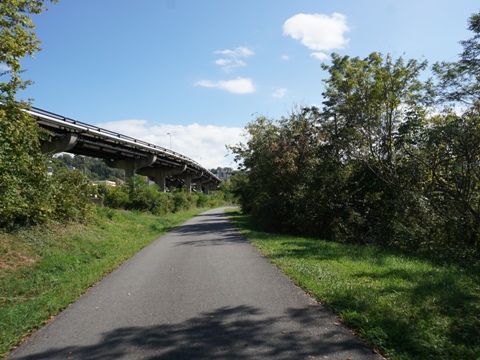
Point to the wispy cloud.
(232, 58)
(279, 93)
(320, 56)
(285, 57)
(240, 51)
(204, 144)
(318, 32)
(237, 86)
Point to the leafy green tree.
(452, 148)
(373, 105)
(459, 82)
(17, 40)
(280, 164)
(451, 154)
(23, 174)
(23, 179)
(261, 158)
(62, 161)
(369, 99)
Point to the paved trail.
(199, 292)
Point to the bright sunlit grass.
(407, 307)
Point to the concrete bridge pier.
(197, 179)
(208, 186)
(132, 165)
(187, 178)
(159, 174)
(190, 179)
(59, 144)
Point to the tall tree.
(450, 153)
(459, 82)
(23, 179)
(372, 105)
(452, 148)
(369, 99)
(17, 40)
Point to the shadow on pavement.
(217, 231)
(227, 333)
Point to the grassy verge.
(407, 307)
(43, 270)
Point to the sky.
(191, 74)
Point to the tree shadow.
(237, 333)
(216, 230)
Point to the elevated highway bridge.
(135, 156)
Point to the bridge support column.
(59, 144)
(197, 179)
(202, 186)
(159, 174)
(132, 165)
(188, 183)
(207, 187)
(190, 179)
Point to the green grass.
(43, 270)
(405, 306)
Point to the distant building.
(224, 175)
(106, 182)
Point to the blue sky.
(200, 70)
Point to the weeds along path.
(198, 292)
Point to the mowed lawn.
(406, 307)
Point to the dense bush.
(181, 201)
(72, 197)
(137, 194)
(115, 197)
(28, 195)
(428, 200)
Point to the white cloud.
(318, 32)
(223, 62)
(285, 57)
(237, 86)
(4, 67)
(320, 56)
(228, 65)
(279, 93)
(204, 144)
(233, 57)
(239, 52)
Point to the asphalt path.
(198, 292)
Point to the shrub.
(115, 197)
(180, 200)
(71, 194)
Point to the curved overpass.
(121, 151)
